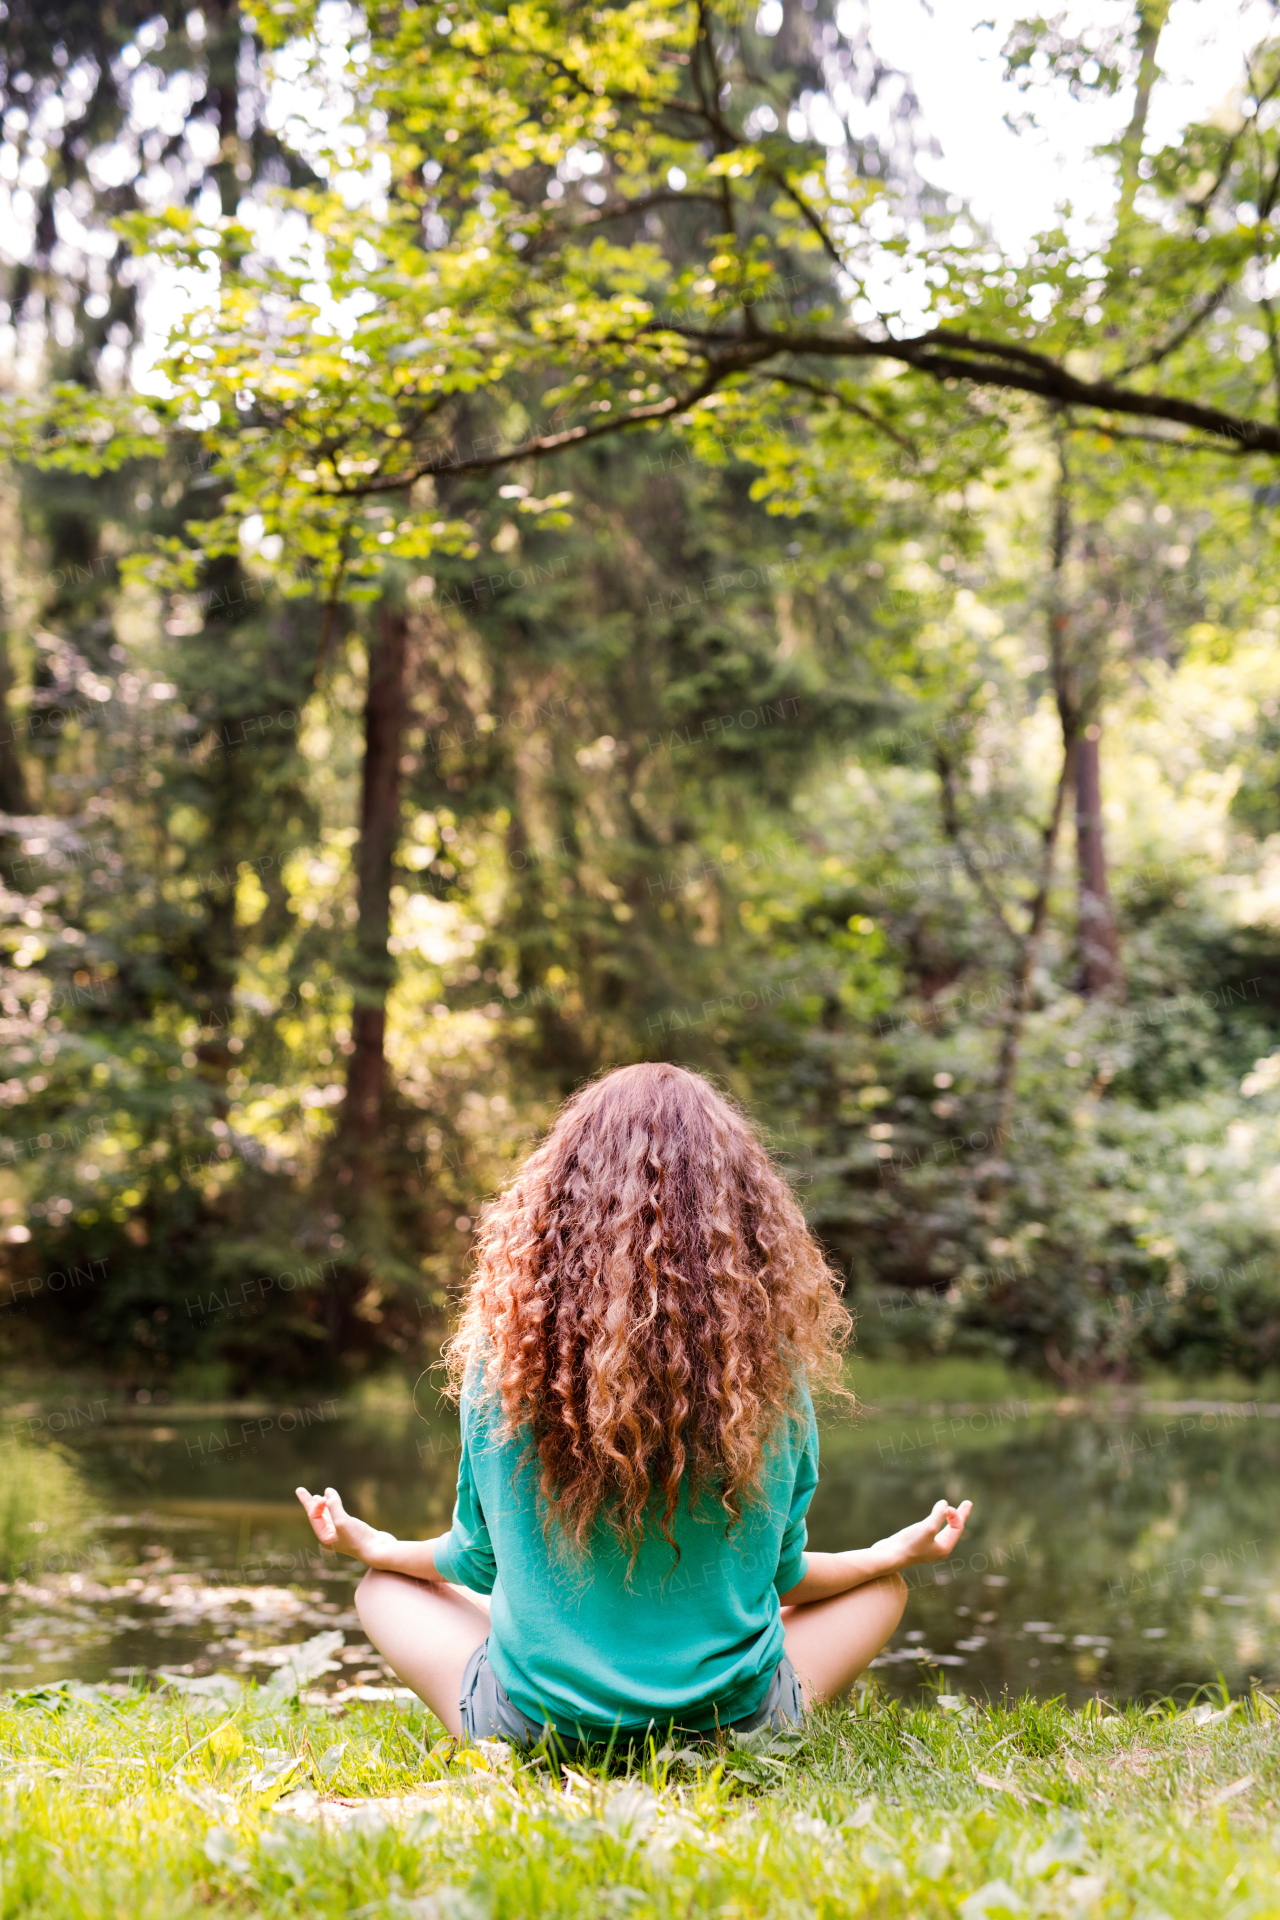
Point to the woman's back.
(688, 1630)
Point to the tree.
(542, 234)
(517, 282)
(386, 711)
(593, 218)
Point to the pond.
(1125, 1551)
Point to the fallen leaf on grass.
(1229, 1793)
(364, 1815)
(274, 1771)
(446, 1903)
(882, 1860)
(303, 1803)
(996, 1897)
(403, 1696)
(222, 1848)
(999, 1786)
(932, 1861)
(211, 1686)
(631, 1813)
(1065, 1848)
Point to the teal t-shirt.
(575, 1643)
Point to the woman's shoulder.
(476, 1395)
(798, 1404)
(485, 1425)
(795, 1425)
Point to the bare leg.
(829, 1642)
(427, 1631)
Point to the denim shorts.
(489, 1713)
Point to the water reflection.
(1125, 1556)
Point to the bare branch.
(847, 405)
(1201, 206)
(1002, 364)
(1175, 340)
(945, 769)
(544, 444)
(807, 213)
(619, 209)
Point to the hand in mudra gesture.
(932, 1538)
(339, 1530)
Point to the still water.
(1128, 1553)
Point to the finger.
(333, 1500)
(314, 1508)
(955, 1527)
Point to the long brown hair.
(646, 1302)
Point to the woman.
(648, 1315)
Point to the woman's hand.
(931, 1539)
(341, 1531)
(827, 1574)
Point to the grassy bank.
(883, 1381)
(163, 1805)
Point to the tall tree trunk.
(1029, 953)
(222, 56)
(1099, 945)
(1029, 948)
(1152, 15)
(230, 829)
(1077, 682)
(13, 781)
(373, 970)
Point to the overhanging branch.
(991, 365)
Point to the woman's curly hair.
(646, 1300)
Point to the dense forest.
(536, 539)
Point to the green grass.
(953, 1378)
(128, 1808)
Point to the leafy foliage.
(768, 543)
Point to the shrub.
(43, 1505)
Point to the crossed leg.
(830, 1642)
(426, 1631)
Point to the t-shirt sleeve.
(792, 1561)
(465, 1554)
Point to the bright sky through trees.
(1013, 179)
(1013, 155)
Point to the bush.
(43, 1504)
